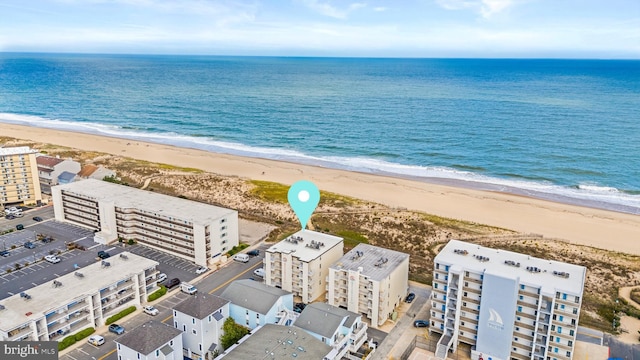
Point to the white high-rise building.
(300, 263)
(19, 182)
(506, 304)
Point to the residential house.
(50, 168)
(150, 341)
(200, 318)
(91, 171)
(341, 329)
(254, 303)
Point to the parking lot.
(173, 266)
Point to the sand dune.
(581, 225)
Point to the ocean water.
(565, 130)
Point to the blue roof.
(66, 177)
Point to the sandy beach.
(580, 225)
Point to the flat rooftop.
(46, 298)
(164, 205)
(279, 342)
(529, 270)
(16, 150)
(306, 245)
(377, 263)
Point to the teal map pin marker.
(304, 197)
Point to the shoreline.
(618, 231)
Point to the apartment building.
(19, 182)
(300, 263)
(200, 318)
(341, 329)
(369, 280)
(191, 230)
(150, 341)
(50, 168)
(508, 305)
(78, 300)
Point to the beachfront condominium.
(19, 182)
(78, 300)
(506, 304)
(191, 230)
(300, 263)
(369, 280)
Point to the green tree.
(232, 332)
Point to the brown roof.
(48, 161)
(87, 170)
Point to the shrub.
(120, 315)
(84, 333)
(66, 342)
(236, 249)
(131, 242)
(232, 332)
(156, 294)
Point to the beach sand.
(580, 225)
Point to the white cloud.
(380, 9)
(486, 8)
(327, 9)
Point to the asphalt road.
(621, 350)
(211, 282)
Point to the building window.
(557, 339)
(562, 306)
(435, 285)
(522, 287)
(561, 317)
(194, 332)
(519, 308)
(559, 329)
(564, 296)
(521, 297)
(157, 353)
(571, 332)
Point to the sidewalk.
(402, 332)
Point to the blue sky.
(387, 28)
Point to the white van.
(162, 277)
(241, 257)
(188, 288)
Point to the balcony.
(19, 333)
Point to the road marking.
(71, 357)
(107, 354)
(84, 352)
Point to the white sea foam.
(586, 193)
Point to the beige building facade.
(194, 231)
(19, 182)
(370, 281)
(300, 263)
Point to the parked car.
(298, 307)
(161, 277)
(29, 245)
(259, 272)
(421, 323)
(52, 259)
(241, 257)
(116, 329)
(19, 227)
(103, 254)
(96, 340)
(202, 270)
(254, 252)
(4, 253)
(410, 297)
(18, 214)
(172, 283)
(37, 218)
(9, 217)
(151, 310)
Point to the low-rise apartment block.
(369, 280)
(78, 300)
(300, 263)
(150, 341)
(19, 182)
(200, 318)
(191, 230)
(506, 304)
(50, 168)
